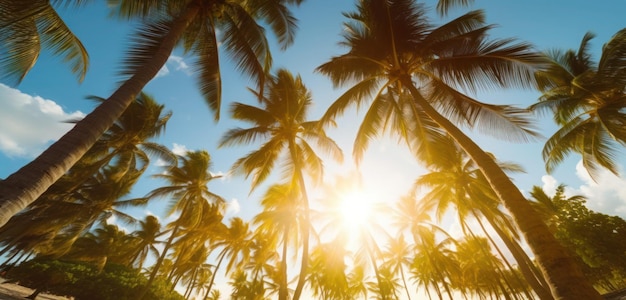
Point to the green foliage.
(83, 281)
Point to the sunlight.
(355, 207)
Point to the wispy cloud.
(177, 63)
(233, 207)
(29, 123)
(179, 149)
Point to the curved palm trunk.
(219, 262)
(529, 276)
(523, 262)
(159, 262)
(406, 287)
(561, 271)
(24, 186)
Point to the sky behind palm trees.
(32, 114)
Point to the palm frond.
(240, 136)
(206, 65)
(144, 44)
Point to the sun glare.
(356, 208)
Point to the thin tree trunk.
(561, 270)
(406, 287)
(304, 264)
(217, 267)
(530, 278)
(24, 186)
(282, 288)
(159, 262)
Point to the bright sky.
(31, 114)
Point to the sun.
(355, 208)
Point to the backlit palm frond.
(144, 43)
(612, 65)
(501, 121)
(206, 64)
(252, 114)
(322, 141)
(371, 126)
(311, 161)
(129, 9)
(259, 163)
(472, 22)
(357, 95)
(246, 44)
(599, 151)
(279, 17)
(239, 136)
(56, 36)
(20, 48)
(483, 65)
(444, 6)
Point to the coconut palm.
(28, 26)
(147, 234)
(187, 187)
(413, 73)
(397, 256)
(282, 122)
(455, 180)
(587, 100)
(236, 243)
(279, 222)
(194, 24)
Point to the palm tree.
(166, 24)
(588, 101)
(455, 180)
(414, 71)
(26, 27)
(190, 197)
(93, 188)
(236, 243)
(282, 121)
(146, 235)
(278, 222)
(397, 256)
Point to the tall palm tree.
(93, 188)
(455, 180)
(587, 100)
(194, 24)
(187, 185)
(413, 74)
(26, 27)
(282, 122)
(279, 222)
(397, 257)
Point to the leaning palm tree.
(414, 75)
(282, 122)
(588, 101)
(26, 27)
(147, 237)
(195, 25)
(187, 185)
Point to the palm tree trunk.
(560, 269)
(406, 287)
(219, 262)
(24, 186)
(304, 264)
(159, 262)
(522, 263)
(282, 288)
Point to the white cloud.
(179, 149)
(607, 195)
(29, 123)
(233, 207)
(177, 63)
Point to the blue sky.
(31, 113)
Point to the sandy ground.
(10, 291)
